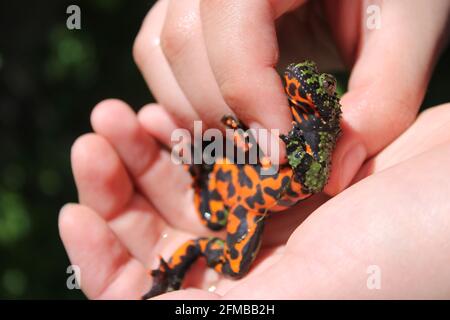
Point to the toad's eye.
(328, 83)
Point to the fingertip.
(72, 221)
(260, 99)
(244, 63)
(85, 153)
(107, 114)
(348, 157)
(97, 253)
(157, 122)
(102, 181)
(92, 155)
(154, 115)
(270, 143)
(118, 123)
(65, 218)
(79, 147)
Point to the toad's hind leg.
(169, 275)
(232, 257)
(244, 235)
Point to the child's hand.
(204, 59)
(135, 204)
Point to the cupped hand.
(135, 204)
(204, 59)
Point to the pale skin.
(397, 218)
(206, 58)
(135, 204)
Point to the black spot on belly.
(274, 193)
(234, 254)
(277, 193)
(231, 190)
(220, 215)
(215, 195)
(291, 193)
(285, 181)
(243, 179)
(223, 176)
(257, 197)
(240, 212)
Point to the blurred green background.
(50, 78)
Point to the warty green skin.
(313, 170)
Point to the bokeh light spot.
(14, 220)
(49, 182)
(14, 282)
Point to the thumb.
(242, 53)
(387, 83)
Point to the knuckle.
(81, 148)
(404, 114)
(234, 91)
(148, 34)
(173, 41)
(184, 120)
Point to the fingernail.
(269, 142)
(350, 164)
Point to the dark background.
(50, 78)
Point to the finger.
(385, 94)
(428, 131)
(164, 183)
(279, 227)
(385, 236)
(158, 123)
(102, 182)
(117, 123)
(183, 46)
(155, 120)
(242, 53)
(107, 271)
(104, 186)
(344, 19)
(155, 69)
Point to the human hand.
(204, 59)
(135, 204)
(131, 195)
